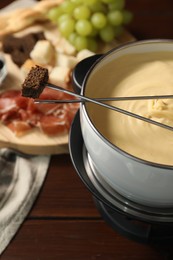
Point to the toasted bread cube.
(35, 82)
(42, 52)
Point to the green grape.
(81, 43)
(81, 12)
(66, 27)
(117, 5)
(64, 17)
(92, 44)
(98, 20)
(115, 17)
(67, 7)
(83, 27)
(72, 37)
(107, 34)
(127, 16)
(54, 13)
(84, 22)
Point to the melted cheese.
(136, 74)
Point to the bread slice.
(19, 19)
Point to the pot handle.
(80, 71)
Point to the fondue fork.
(49, 101)
(98, 102)
(82, 98)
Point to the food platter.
(35, 141)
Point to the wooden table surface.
(64, 223)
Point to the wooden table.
(64, 223)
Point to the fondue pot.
(133, 195)
(140, 181)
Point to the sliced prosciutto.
(52, 125)
(21, 114)
(19, 127)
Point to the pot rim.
(83, 106)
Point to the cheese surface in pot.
(135, 75)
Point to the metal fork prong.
(117, 109)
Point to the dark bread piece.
(35, 82)
(20, 47)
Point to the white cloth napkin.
(21, 178)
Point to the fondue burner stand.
(137, 222)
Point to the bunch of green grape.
(85, 22)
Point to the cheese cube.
(83, 54)
(63, 60)
(65, 47)
(52, 34)
(42, 52)
(60, 76)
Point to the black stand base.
(136, 230)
